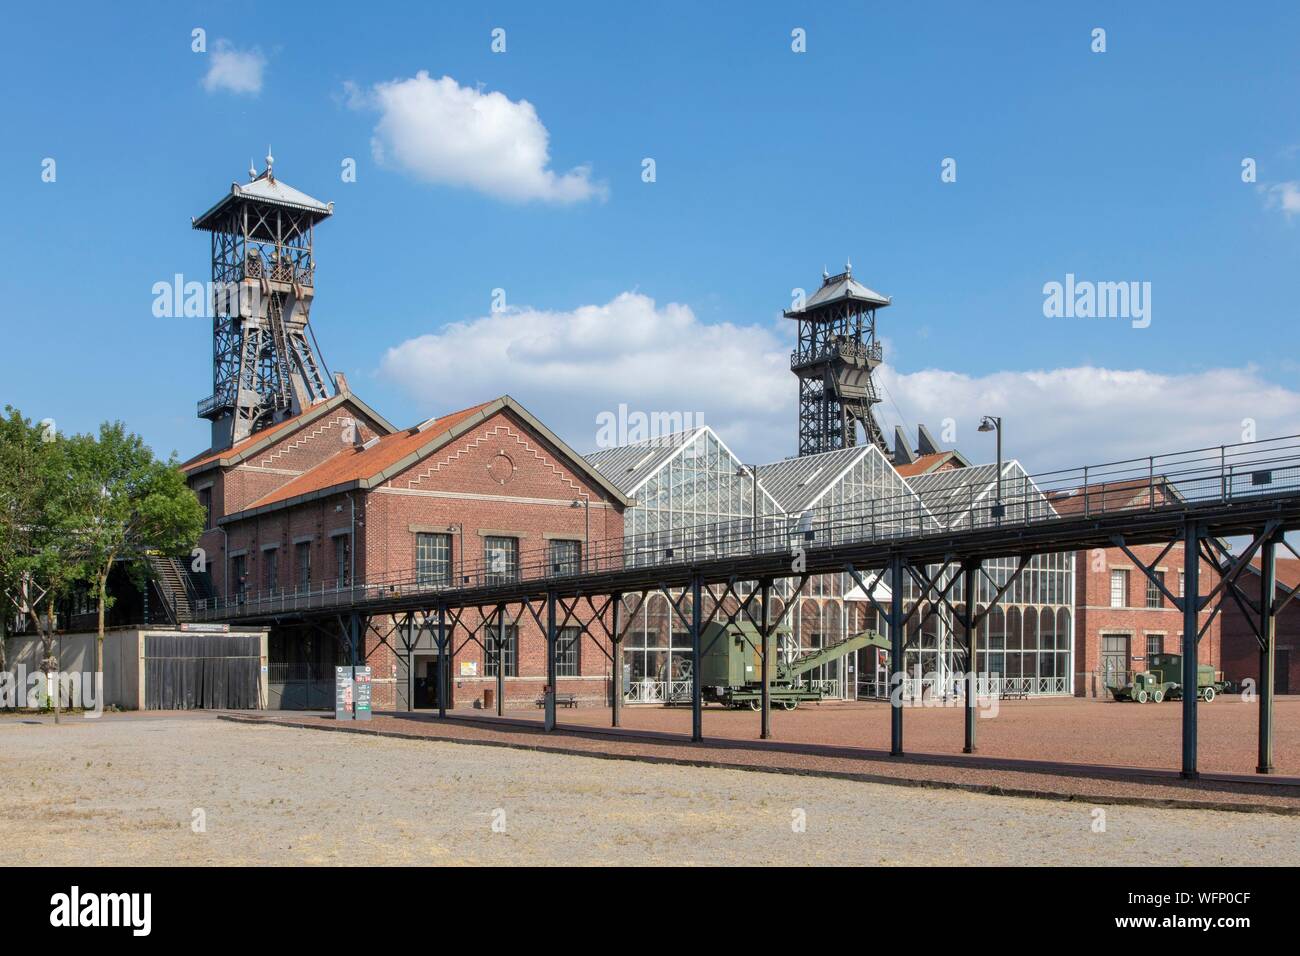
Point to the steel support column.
(968, 586)
(765, 724)
(1191, 608)
(551, 668)
(896, 665)
(1267, 646)
(616, 658)
(444, 673)
(501, 660)
(697, 700)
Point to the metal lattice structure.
(264, 368)
(836, 354)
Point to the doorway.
(1282, 670)
(424, 693)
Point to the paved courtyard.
(133, 789)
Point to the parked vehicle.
(1162, 680)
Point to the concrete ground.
(130, 789)
(1061, 729)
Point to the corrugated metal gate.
(194, 671)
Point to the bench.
(561, 700)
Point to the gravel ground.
(124, 790)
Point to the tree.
(120, 504)
(37, 561)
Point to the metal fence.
(1174, 482)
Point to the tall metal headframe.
(836, 354)
(264, 368)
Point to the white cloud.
(1284, 196)
(234, 71)
(442, 132)
(1069, 417)
(568, 367)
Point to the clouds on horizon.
(568, 367)
(441, 132)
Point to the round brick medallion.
(501, 468)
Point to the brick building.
(336, 495)
(1240, 646)
(1121, 616)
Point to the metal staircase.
(180, 588)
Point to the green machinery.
(731, 669)
(1162, 680)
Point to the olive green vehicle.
(731, 668)
(1162, 681)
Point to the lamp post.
(585, 505)
(993, 423)
(752, 472)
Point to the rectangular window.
(566, 557)
(271, 569)
(510, 653)
(568, 649)
(432, 560)
(205, 499)
(1155, 597)
(239, 573)
(343, 560)
(1155, 644)
(501, 556)
(1182, 584)
(1118, 587)
(302, 564)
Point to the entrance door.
(425, 695)
(1114, 659)
(1281, 670)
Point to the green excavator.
(731, 668)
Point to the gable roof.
(797, 483)
(369, 466)
(259, 440)
(630, 466)
(1109, 495)
(924, 464)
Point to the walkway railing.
(1222, 474)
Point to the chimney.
(902, 447)
(925, 443)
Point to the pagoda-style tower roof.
(263, 188)
(840, 288)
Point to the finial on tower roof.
(848, 267)
(825, 275)
(252, 171)
(270, 161)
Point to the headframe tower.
(264, 368)
(837, 353)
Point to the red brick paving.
(1065, 747)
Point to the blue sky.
(1115, 166)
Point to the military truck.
(1162, 680)
(731, 668)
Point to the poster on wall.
(469, 668)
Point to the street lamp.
(741, 472)
(993, 423)
(585, 504)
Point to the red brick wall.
(1094, 616)
(460, 490)
(1241, 649)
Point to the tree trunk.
(49, 656)
(99, 634)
